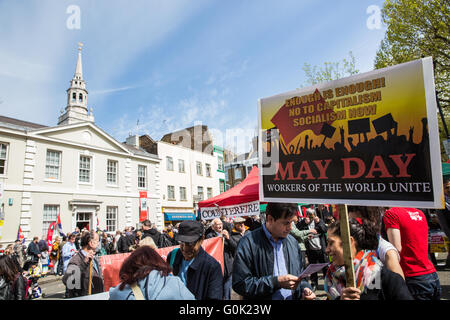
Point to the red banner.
(142, 205)
(111, 264)
(51, 229)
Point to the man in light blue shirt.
(268, 263)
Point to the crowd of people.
(263, 257)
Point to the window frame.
(46, 220)
(209, 192)
(108, 173)
(171, 189)
(202, 194)
(167, 163)
(108, 217)
(198, 165)
(185, 194)
(47, 178)
(208, 172)
(5, 164)
(139, 177)
(91, 168)
(181, 161)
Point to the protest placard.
(369, 139)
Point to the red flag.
(112, 263)
(299, 109)
(51, 229)
(20, 235)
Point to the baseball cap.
(189, 231)
(239, 220)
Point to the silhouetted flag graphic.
(327, 130)
(359, 126)
(383, 123)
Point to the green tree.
(417, 29)
(330, 70)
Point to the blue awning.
(172, 216)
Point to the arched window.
(74, 96)
(80, 97)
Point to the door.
(84, 220)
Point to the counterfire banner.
(369, 139)
(111, 264)
(238, 210)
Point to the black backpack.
(164, 241)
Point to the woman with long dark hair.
(145, 275)
(11, 278)
(373, 280)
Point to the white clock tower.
(76, 109)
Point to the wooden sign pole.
(345, 236)
(90, 278)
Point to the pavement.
(53, 288)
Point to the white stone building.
(187, 176)
(75, 169)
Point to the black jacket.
(124, 243)
(19, 287)
(153, 233)
(393, 287)
(254, 264)
(321, 229)
(43, 245)
(33, 251)
(204, 276)
(5, 290)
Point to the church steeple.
(76, 109)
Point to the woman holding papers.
(373, 280)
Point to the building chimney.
(133, 141)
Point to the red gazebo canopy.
(246, 191)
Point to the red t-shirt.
(413, 227)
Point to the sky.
(153, 67)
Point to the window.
(111, 218)
(199, 168)
(209, 193)
(111, 172)
(222, 185)
(200, 192)
(170, 192)
(52, 164)
(181, 165)
(208, 169)
(182, 193)
(142, 177)
(237, 173)
(80, 97)
(220, 164)
(74, 96)
(84, 174)
(50, 215)
(3, 157)
(169, 163)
